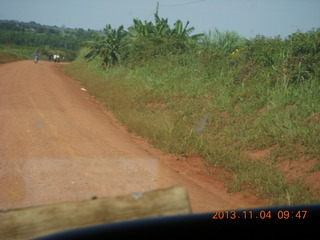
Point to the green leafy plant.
(142, 41)
(109, 48)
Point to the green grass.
(8, 57)
(10, 53)
(220, 105)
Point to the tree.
(110, 47)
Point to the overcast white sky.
(247, 17)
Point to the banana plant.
(148, 37)
(160, 28)
(183, 31)
(110, 48)
(140, 28)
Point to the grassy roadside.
(11, 53)
(235, 113)
(8, 57)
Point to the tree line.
(35, 35)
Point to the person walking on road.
(36, 56)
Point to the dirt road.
(58, 144)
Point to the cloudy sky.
(247, 17)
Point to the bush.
(304, 55)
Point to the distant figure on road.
(36, 56)
(56, 58)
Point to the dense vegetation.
(11, 53)
(219, 96)
(142, 40)
(34, 34)
(47, 39)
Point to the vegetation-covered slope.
(250, 106)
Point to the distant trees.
(34, 34)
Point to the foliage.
(11, 52)
(160, 28)
(109, 48)
(35, 35)
(141, 41)
(225, 42)
(265, 51)
(261, 96)
(303, 55)
(296, 57)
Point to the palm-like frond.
(109, 48)
(117, 43)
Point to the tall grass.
(219, 103)
(226, 42)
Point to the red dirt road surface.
(58, 144)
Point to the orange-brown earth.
(58, 144)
